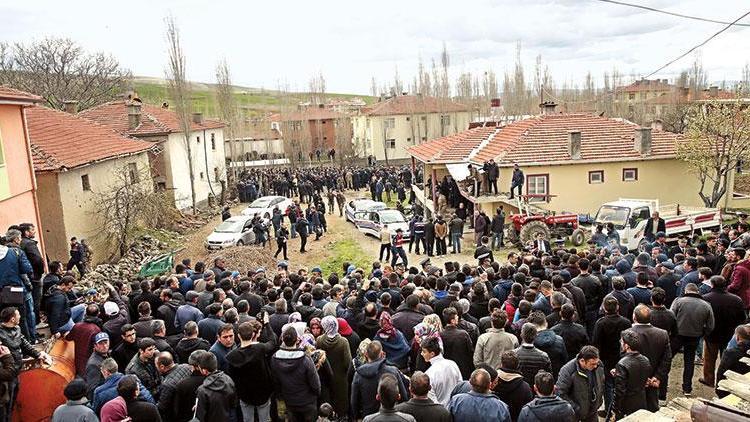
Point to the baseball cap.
(111, 308)
(260, 270)
(316, 270)
(99, 337)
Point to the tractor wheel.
(530, 230)
(512, 237)
(578, 237)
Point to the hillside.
(254, 101)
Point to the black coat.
(729, 312)
(730, 361)
(58, 309)
(143, 411)
(184, 396)
(425, 410)
(660, 227)
(248, 368)
(405, 320)
(31, 248)
(546, 409)
(573, 334)
(513, 391)
(457, 346)
(655, 345)
(631, 374)
(530, 361)
(365, 387)
(607, 338)
(217, 398)
(575, 386)
(186, 346)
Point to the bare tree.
(228, 110)
(718, 138)
(374, 87)
(58, 69)
(179, 89)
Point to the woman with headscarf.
(315, 328)
(394, 343)
(431, 326)
(340, 357)
(359, 358)
(346, 331)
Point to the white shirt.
(444, 376)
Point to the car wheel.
(240, 242)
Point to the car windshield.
(229, 227)
(612, 214)
(359, 205)
(389, 217)
(261, 202)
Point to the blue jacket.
(58, 309)
(548, 341)
(473, 406)
(691, 277)
(640, 295)
(625, 269)
(502, 289)
(13, 264)
(108, 391)
(185, 313)
(220, 351)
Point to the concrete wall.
(175, 157)
(78, 206)
(53, 219)
(408, 130)
(17, 183)
(270, 146)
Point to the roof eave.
(584, 161)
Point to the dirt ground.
(320, 252)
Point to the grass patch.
(346, 250)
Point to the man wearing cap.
(75, 408)
(654, 225)
(397, 249)
(93, 374)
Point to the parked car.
(264, 206)
(361, 204)
(233, 231)
(629, 216)
(371, 222)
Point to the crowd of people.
(565, 334)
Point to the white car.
(234, 231)
(362, 204)
(264, 206)
(371, 222)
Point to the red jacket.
(740, 284)
(82, 335)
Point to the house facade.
(388, 128)
(313, 131)
(18, 186)
(75, 160)
(572, 163)
(169, 161)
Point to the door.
(247, 235)
(360, 219)
(637, 222)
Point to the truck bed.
(671, 211)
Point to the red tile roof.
(413, 104)
(155, 120)
(544, 140)
(60, 140)
(647, 85)
(14, 95)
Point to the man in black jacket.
(729, 312)
(530, 359)
(30, 246)
(573, 334)
(296, 379)
(247, 365)
(366, 378)
(631, 374)
(406, 319)
(190, 343)
(607, 340)
(731, 359)
(581, 383)
(217, 396)
(186, 390)
(429, 236)
(655, 345)
(420, 406)
(497, 229)
(172, 374)
(457, 345)
(510, 387)
(547, 406)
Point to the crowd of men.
(555, 334)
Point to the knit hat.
(75, 390)
(330, 326)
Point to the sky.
(284, 43)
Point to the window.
(216, 173)
(391, 143)
(424, 118)
(133, 173)
(408, 119)
(445, 120)
(537, 184)
(198, 139)
(408, 139)
(629, 175)
(389, 123)
(202, 176)
(213, 142)
(325, 138)
(631, 96)
(596, 176)
(161, 186)
(324, 122)
(296, 125)
(424, 139)
(85, 184)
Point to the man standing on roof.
(516, 181)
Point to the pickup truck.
(630, 216)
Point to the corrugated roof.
(61, 140)
(155, 120)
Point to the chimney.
(548, 107)
(713, 91)
(643, 140)
(198, 118)
(657, 124)
(574, 144)
(134, 115)
(70, 106)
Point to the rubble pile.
(246, 258)
(143, 249)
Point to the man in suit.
(681, 247)
(541, 244)
(654, 225)
(655, 346)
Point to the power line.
(706, 41)
(679, 15)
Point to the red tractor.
(533, 220)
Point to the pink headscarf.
(387, 330)
(115, 410)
